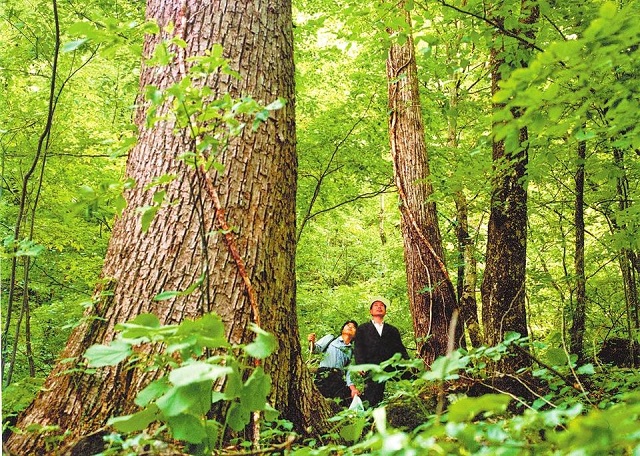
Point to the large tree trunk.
(431, 295)
(503, 286)
(256, 190)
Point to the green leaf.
(352, 431)
(136, 422)
(238, 416)
(28, 248)
(74, 45)
(152, 392)
(586, 369)
(446, 367)
(233, 386)
(148, 213)
(166, 295)
(143, 326)
(193, 397)
(511, 336)
(277, 104)
(467, 408)
(187, 428)
(196, 372)
(263, 345)
(556, 356)
(107, 355)
(256, 390)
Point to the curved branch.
(492, 23)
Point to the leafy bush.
(181, 398)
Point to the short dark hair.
(380, 301)
(355, 323)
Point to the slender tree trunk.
(24, 207)
(256, 192)
(467, 269)
(503, 286)
(579, 312)
(431, 295)
(467, 273)
(626, 257)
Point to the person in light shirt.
(332, 378)
(376, 342)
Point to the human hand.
(354, 391)
(311, 337)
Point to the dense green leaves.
(183, 396)
(581, 86)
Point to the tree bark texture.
(503, 286)
(256, 191)
(431, 295)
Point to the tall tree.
(432, 298)
(579, 312)
(503, 286)
(247, 276)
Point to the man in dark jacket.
(375, 342)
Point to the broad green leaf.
(586, 369)
(196, 372)
(352, 431)
(152, 392)
(187, 427)
(256, 390)
(511, 336)
(233, 386)
(556, 356)
(263, 345)
(73, 45)
(29, 248)
(446, 367)
(143, 326)
(136, 422)
(238, 416)
(193, 397)
(467, 408)
(107, 355)
(147, 215)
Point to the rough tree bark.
(503, 286)
(432, 297)
(256, 191)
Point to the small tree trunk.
(431, 295)
(579, 313)
(467, 273)
(626, 257)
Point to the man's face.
(378, 309)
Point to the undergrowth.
(568, 409)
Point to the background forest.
(67, 128)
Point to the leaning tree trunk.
(503, 286)
(431, 295)
(256, 190)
